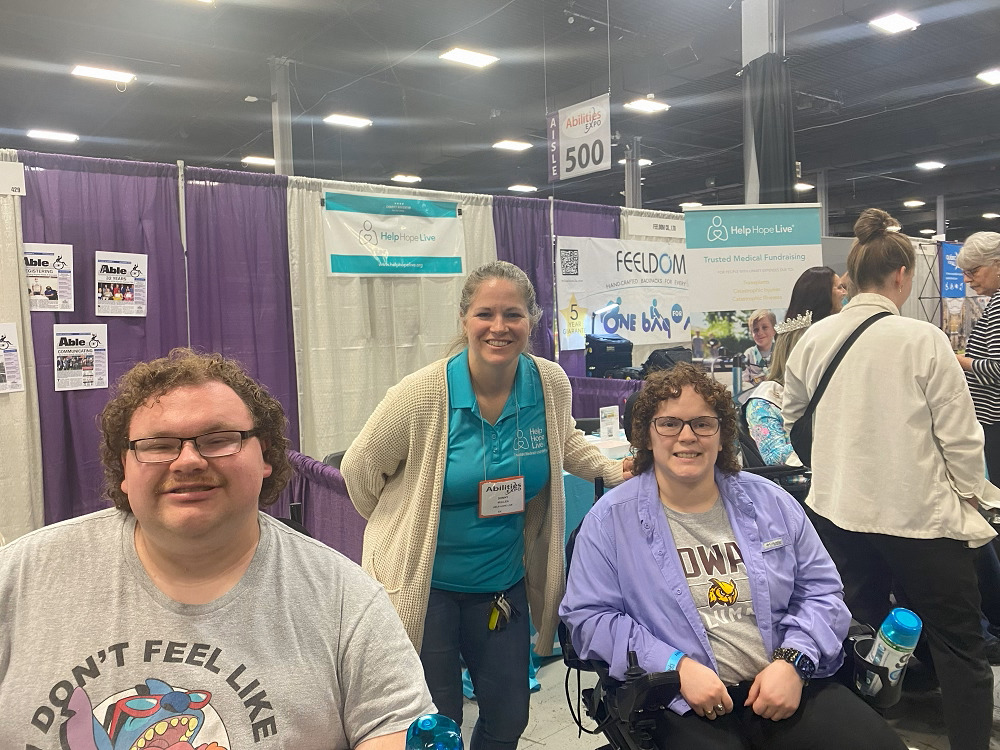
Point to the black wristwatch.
(802, 663)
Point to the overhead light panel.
(991, 76)
(991, 216)
(926, 231)
(914, 204)
(468, 57)
(349, 121)
(642, 162)
(103, 74)
(804, 187)
(894, 23)
(408, 178)
(647, 105)
(690, 204)
(259, 161)
(512, 145)
(53, 135)
(523, 188)
(928, 165)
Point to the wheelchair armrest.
(650, 691)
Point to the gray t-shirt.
(717, 578)
(305, 652)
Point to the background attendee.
(897, 470)
(460, 566)
(761, 326)
(763, 408)
(719, 575)
(818, 289)
(188, 617)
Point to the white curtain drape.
(355, 337)
(22, 507)
(640, 352)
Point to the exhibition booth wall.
(236, 264)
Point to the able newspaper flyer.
(81, 356)
(10, 360)
(120, 284)
(48, 271)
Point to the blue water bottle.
(893, 646)
(434, 732)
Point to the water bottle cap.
(905, 621)
(426, 722)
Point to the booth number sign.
(579, 139)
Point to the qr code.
(569, 260)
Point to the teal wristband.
(674, 660)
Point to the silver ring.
(709, 710)
(720, 707)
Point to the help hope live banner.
(648, 281)
(376, 235)
(748, 257)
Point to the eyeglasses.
(141, 706)
(970, 272)
(701, 426)
(162, 450)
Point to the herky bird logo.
(722, 592)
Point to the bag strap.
(831, 368)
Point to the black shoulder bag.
(801, 436)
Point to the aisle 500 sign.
(580, 139)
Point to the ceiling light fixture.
(259, 161)
(894, 23)
(690, 204)
(991, 76)
(53, 135)
(928, 165)
(523, 188)
(914, 203)
(803, 187)
(468, 57)
(991, 215)
(103, 74)
(647, 105)
(926, 231)
(512, 145)
(642, 162)
(349, 121)
(405, 178)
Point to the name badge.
(501, 497)
(773, 544)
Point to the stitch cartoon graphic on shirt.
(152, 715)
(722, 592)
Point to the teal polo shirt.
(487, 554)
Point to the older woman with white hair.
(979, 260)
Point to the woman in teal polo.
(459, 473)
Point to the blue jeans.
(456, 628)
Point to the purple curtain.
(521, 226)
(590, 394)
(584, 220)
(238, 284)
(117, 206)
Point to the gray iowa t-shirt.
(305, 652)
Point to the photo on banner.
(635, 289)
(378, 235)
(48, 270)
(742, 259)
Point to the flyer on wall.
(81, 356)
(120, 284)
(48, 271)
(10, 360)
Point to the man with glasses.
(184, 617)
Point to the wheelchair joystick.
(634, 671)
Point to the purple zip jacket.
(627, 590)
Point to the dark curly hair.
(667, 384)
(150, 380)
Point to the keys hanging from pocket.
(501, 613)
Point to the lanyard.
(517, 426)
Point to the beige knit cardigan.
(394, 472)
